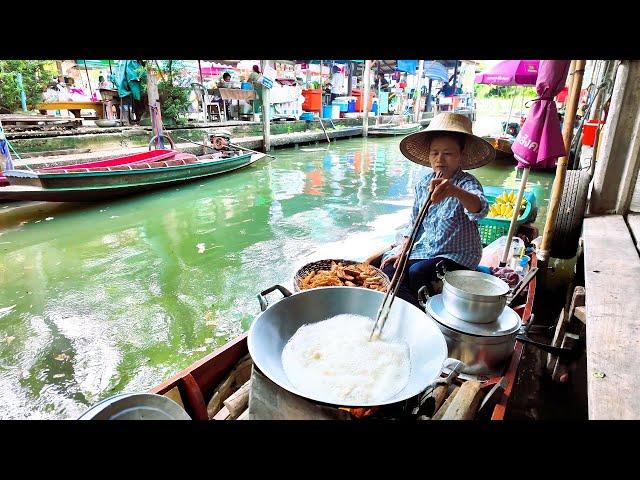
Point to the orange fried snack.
(357, 275)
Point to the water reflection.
(117, 296)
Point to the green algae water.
(99, 299)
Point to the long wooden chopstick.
(387, 302)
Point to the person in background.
(257, 86)
(226, 78)
(104, 84)
(337, 83)
(403, 82)
(382, 83)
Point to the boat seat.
(140, 166)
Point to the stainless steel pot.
(461, 301)
(272, 329)
(483, 348)
(136, 406)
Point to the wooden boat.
(120, 176)
(393, 130)
(222, 376)
(502, 144)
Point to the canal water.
(115, 297)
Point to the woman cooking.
(448, 239)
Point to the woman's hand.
(442, 188)
(393, 259)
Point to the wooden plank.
(612, 274)
(244, 415)
(223, 414)
(465, 405)
(443, 409)
(238, 400)
(174, 394)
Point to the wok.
(272, 329)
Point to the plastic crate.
(493, 228)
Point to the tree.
(172, 90)
(34, 80)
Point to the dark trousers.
(419, 273)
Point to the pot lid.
(507, 323)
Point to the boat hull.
(395, 130)
(96, 186)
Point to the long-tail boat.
(393, 130)
(125, 175)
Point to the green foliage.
(503, 91)
(174, 97)
(34, 79)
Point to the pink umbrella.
(539, 143)
(510, 72)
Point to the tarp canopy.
(434, 70)
(510, 72)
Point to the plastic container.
(493, 228)
(589, 132)
(343, 104)
(312, 100)
(352, 106)
(246, 86)
(307, 116)
(331, 111)
(358, 94)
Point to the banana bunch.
(504, 205)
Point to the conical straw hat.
(477, 152)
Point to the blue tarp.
(435, 71)
(408, 66)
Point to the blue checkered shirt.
(449, 230)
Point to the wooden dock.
(612, 279)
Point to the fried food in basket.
(357, 275)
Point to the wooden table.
(73, 107)
(236, 94)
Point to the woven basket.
(326, 265)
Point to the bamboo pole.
(561, 167)
(514, 218)
(416, 107)
(365, 108)
(266, 124)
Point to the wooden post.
(349, 70)
(154, 100)
(365, 108)
(266, 124)
(561, 167)
(416, 108)
(427, 102)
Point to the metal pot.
(473, 307)
(136, 406)
(482, 347)
(272, 329)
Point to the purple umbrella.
(539, 143)
(510, 72)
